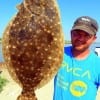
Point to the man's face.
(81, 40)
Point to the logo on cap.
(85, 19)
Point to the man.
(79, 76)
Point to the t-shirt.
(77, 79)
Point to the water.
(1, 54)
(93, 46)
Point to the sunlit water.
(92, 48)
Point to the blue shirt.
(77, 79)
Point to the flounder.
(33, 45)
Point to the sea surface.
(1, 54)
(93, 46)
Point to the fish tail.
(27, 96)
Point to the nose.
(81, 38)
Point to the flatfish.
(33, 44)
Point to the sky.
(70, 10)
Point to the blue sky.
(69, 10)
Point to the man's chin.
(79, 48)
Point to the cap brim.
(84, 28)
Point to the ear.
(95, 37)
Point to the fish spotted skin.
(33, 44)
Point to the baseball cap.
(86, 24)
